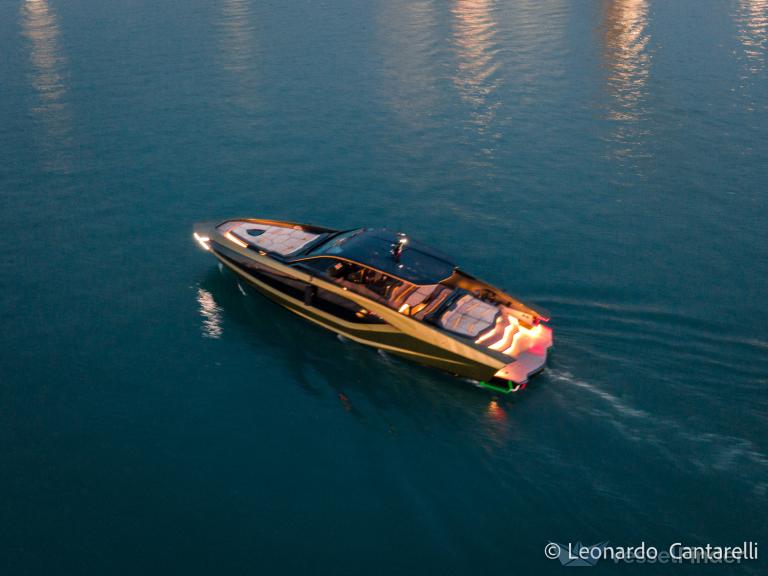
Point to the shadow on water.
(48, 77)
(371, 385)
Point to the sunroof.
(373, 247)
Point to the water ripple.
(477, 49)
(625, 56)
(239, 49)
(752, 23)
(621, 333)
(211, 315)
(704, 451)
(48, 77)
(409, 39)
(627, 61)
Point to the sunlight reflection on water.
(626, 59)
(239, 50)
(752, 23)
(210, 312)
(627, 62)
(476, 49)
(48, 77)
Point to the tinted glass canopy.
(372, 247)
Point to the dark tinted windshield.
(418, 263)
(335, 244)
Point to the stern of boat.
(531, 354)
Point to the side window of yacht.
(350, 272)
(339, 272)
(366, 281)
(320, 266)
(382, 284)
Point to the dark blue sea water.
(607, 160)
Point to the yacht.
(384, 289)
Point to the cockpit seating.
(469, 316)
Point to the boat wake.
(705, 349)
(705, 452)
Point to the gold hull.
(380, 336)
(376, 325)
